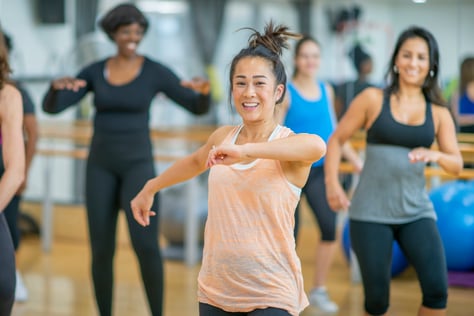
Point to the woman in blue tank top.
(390, 201)
(309, 109)
(463, 102)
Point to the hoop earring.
(395, 69)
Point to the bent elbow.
(457, 171)
(203, 105)
(17, 178)
(456, 168)
(201, 110)
(47, 108)
(21, 179)
(320, 147)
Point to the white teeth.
(131, 45)
(250, 105)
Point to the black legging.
(116, 171)
(209, 310)
(12, 211)
(421, 244)
(315, 193)
(7, 269)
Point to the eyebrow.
(255, 77)
(409, 51)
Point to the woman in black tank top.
(390, 202)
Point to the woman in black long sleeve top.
(120, 158)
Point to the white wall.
(49, 50)
(450, 22)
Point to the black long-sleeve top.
(125, 108)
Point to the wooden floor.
(59, 282)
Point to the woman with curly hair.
(120, 157)
(13, 150)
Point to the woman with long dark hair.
(390, 202)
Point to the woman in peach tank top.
(257, 169)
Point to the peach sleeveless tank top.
(249, 260)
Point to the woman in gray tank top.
(390, 202)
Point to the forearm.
(299, 147)
(467, 119)
(450, 163)
(56, 101)
(183, 170)
(9, 184)
(332, 161)
(351, 155)
(30, 150)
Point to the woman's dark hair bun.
(275, 38)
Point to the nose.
(413, 61)
(249, 91)
(136, 36)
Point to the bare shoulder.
(440, 114)
(329, 87)
(10, 99)
(440, 110)
(9, 93)
(220, 134)
(372, 94)
(369, 100)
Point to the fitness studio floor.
(59, 283)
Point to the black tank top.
(387, 131)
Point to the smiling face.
(127, 37)
(413, 61)
(254, 89)
(308, 58)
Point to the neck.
(362, 77)
(258, 132)
(303, 80)
(409, 92)
(126, 58)
(470, 90)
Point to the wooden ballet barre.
(81, 132)
(77, 153)
(82, 153)
(465, 174)
(191, 239)
(465, 138)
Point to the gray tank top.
(391, 189)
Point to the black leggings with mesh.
(421, 244)
(117, 169)
(7, 269)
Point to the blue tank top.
(311, 116)
(466, 106)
